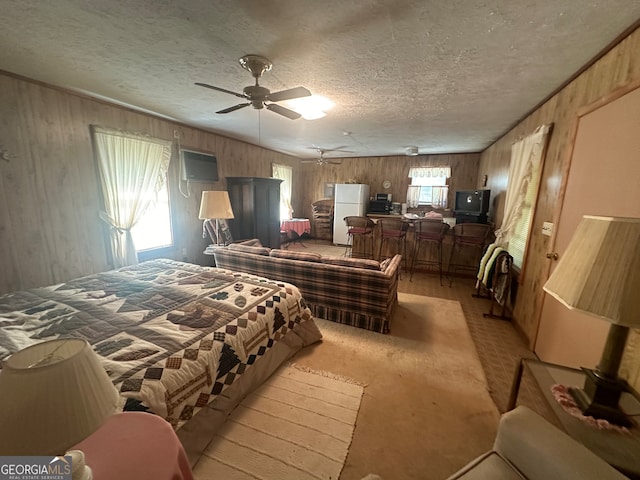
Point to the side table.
(620, 450)
(135, 445)
(298, 225)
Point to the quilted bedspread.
(172, 335)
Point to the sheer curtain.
(284, 173)
(433, 177)
(413, 196)
(439, 197)
(132, 167)
(524, 168)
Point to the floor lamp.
(599, 274)
(215, 205)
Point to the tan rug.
(426, 410)
(297, 426)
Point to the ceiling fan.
(323, 161)
(258, 96)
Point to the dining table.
(298, 225)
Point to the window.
(153, 230)
(133, 177)
(518, 240)
(284, 173)
(525, 168)
(428, 186)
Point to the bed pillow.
(306, 257)
(237, 247)
(352, 262)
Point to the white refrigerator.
(350, 199)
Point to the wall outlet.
(547, 228)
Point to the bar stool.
(361, 227)
(470, 236)
(428, 232)
(393, 229)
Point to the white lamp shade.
(52, 395)
(599, 274)
(215, 205)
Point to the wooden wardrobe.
(256, 208)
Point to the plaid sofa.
(357, 292)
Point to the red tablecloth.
(136, 446)
(298, 225)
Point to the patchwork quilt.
(172, 336)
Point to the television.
(472, 201)
(198, 166)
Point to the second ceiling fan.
(258, 96)
(321, 160)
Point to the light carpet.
(426, 410)
(298, 425)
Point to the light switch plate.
(547, 228)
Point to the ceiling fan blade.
(283, 111)
(234, 108)
(221, 90)
(338, 149)
(296, 92)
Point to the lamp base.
(600, 396)
(79, 469)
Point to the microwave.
(383, 197)
(380, 206)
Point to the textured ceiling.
(443, 75)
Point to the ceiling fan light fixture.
(312, 114)
(411, 151)
(311, 107)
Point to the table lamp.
(53, 395)
(215, 205)
(599, 275)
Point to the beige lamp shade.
(215, 205)
(52, 395)
(599, 274)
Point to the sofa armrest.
(540, 451)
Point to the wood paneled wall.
(49, 191)
(618, 67)
(375, 170)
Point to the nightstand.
(620, 450)
(135, 445)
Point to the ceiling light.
(411, 151)
(312, 114)
(311, 108)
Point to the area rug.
(298, 425)
(426, 409)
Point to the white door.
(604, 179)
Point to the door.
(603, 179)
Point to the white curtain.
(413, 196)
(430, 172)
(439, 197)
(284, 173)
(132, 168)
(435, 177)
(526, 158)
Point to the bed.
(172, 336)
